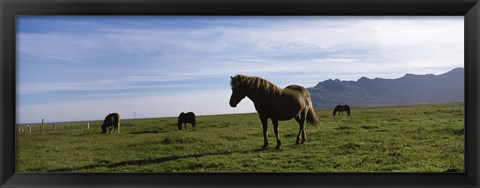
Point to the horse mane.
(254, 83)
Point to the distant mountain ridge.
(409, 89)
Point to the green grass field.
(417, 138)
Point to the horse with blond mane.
(275, 103)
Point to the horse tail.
(194, 120)
(311, 116)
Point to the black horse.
(341, 108)
(112, 122)
(185, 118)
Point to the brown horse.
(341, 108)
(275, 103)
(111, 122)
(185, 118)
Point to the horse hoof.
(264, 147)
(297, 142)
(278, 147)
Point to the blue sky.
(72, 68)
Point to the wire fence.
(55, 127)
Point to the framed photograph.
(239, 93)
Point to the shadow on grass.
(149, 132)
(151, 161)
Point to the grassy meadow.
(416, 138)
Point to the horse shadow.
(148, 132)
(160, 160)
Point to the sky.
(75, 68)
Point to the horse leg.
(299, 131)
(265, 132)
(304, 135)
(303, 116)
(275, 129)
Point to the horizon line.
(240, 113)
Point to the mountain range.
(409, 89)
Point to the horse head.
(238, 92)
(104, 129)
(180, 120)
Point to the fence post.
(88, 125)
(54, 127)
(29, 128)
(41, 127)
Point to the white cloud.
(39, 88)
(63, 47)
(410, 42)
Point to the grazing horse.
(185, 118)
(111, 122)
(341, 108)
(275, 103)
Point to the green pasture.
(417, 138)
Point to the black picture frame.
(9, 9)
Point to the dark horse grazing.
(341, 108)
(185, 118)
(111, 122)
(275, 103)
